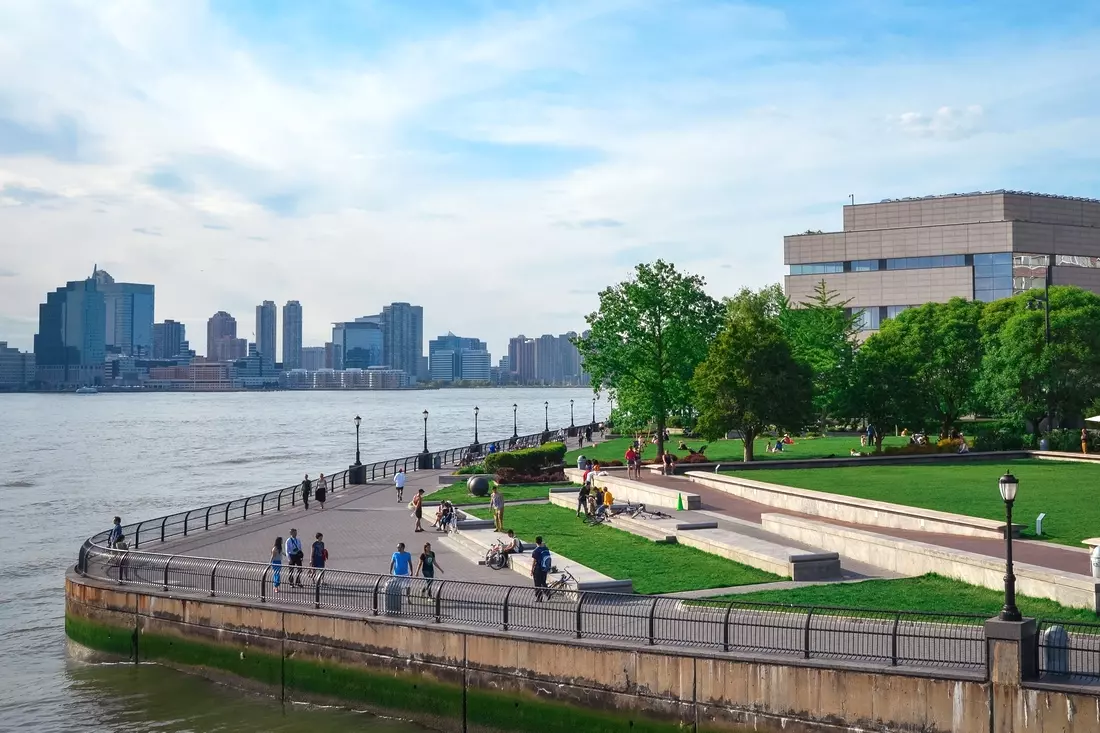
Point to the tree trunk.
(748, 437)
(661, 421)
(878, 441)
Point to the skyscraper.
(455, 358)
(70, 345)
(265, 330)
(169, 339)
(219, 328)
(403, 336)
(128, 311)
(292, 335)
(358, 344)
(521, 359)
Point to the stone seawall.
(459, 679)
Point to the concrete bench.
(911, 557)
(474, 543)
(639, 492)
(784, 561)
(852, 510)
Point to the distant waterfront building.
(374, 378)
(897, 254)
(455, 358)
(521, 359)
(292, 336)
(221, 329)
(128, 312)
(403, 337)
(330, 354)
(169, 339)
(423, 369)
(254, 371)
(358, 344)
(70, 346)
(265, 330)
(196, 377)
(17, 369)
(313, 359)
(549, 359)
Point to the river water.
(68, 463)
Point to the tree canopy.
(645, 340)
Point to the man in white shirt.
(399, 484)
(294, 554)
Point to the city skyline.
(508, 156)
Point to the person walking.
(496, 503)
(418, 509)
(307, 489)
(401, 562)
(295, 555)
(277, 558)
(399, 484)
(427, 567)
(322, 491)
(631, 456)
(582, 497)
(541, 563)
(318, 556)
(1084, 440)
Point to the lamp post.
(546, 406)
(571, 414)
(357, 472)
(515, 430)
(476, 443)
(1008, 485)
(425, 431)
(593, 410)
(1034, 303)
(357, 421)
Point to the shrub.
(695, 458)
(616, 462)
(506, 476)
(946, 445)
(528, 460)
(475, 468)
(1004, 435)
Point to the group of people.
(292, 553)
(427, 564)
(593, 500)
(777, 446)
(318, 491)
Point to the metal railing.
(902, 639)
(182, 524)
(1069, 649)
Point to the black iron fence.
(904, 639)
(185, 523)
(1069, 649)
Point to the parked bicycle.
(564, 585)
(495, 556)
(641, 512)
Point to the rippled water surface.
(68, 463)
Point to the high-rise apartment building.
(980, 246)
(455, 358)
(265, 330)
(221, 331)
(169, 339)
(358, 344)
(17, 368)
(548, 359)
(403, 336)
(292, 335)
(70, 346)
(313, 359)
(521, 359)
(128, 312)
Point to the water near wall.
(69, 463)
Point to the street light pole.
(425, 431)
(475, 425)
(546, 406)
(593, 410)
(1008, 485)
(515, 431)
(357, 421)
(571, 414)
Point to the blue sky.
(501, 162)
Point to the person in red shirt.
(631, 463)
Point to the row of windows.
(871, 318)
(897, 263)
(817, 268)
(924, 263)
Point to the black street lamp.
(475, 425)
(571, 414)
(515, 430)
(546, 405)
(425, 431)
(357, 421)
(1008, 485)
(593, 410)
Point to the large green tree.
(822, 334)
(882, 386)
(645, 340)
(750, 378)
(1022, 375)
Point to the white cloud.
(946, 122)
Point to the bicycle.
(642, 513)
(562, 585)
(495, 557)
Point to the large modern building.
(458, 359)
(358, 344)
(169, 339)
(70, 346)
(313, 359)
(547, 360)
(899, 253)
(265, 330)
(292, 335)
(128, 310)
(403, 337)
(222, 344)
(17, 368)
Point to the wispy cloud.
(217, 227)
(4, 272)
(146, 231)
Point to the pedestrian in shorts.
(399, 484)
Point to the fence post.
(507, 596)
(894, 641)
(186, 516)
(806, 641)
(162, 523)
(580, 605)
(227, 505)
(726, 628)
(213, 575)
(137, 535)
(263, 500)
(374, 593)
(206, 524)
(279, 502)
(245, 515)
(169, 562)
(263, 584)
(373, 466)
(439, 602)
(317, 589)
(653, 622)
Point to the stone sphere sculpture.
(478, 485)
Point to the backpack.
(546, 562)
(519, 545)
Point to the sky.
(501, 162)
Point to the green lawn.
(457, 493)
(1064, 491)
(730, 450)
(654, 568)
(931, 593)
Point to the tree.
(882, 385)
(941, 345)
(750, 378)
(1024, 377)
(822, 335)
(645, 340)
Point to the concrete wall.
(847, 509)
(912, 558)
(637, 492)
(509, 681)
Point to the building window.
(924, 263)
(817, 268)
(993, 276)
(864, 265)
(868, 319)
(892, 311)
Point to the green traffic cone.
(679, 502)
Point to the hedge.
(528, 460)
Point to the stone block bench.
(912, 558)
(852, 510)
(639, 492)
(789, 562)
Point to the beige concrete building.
(981, 246)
